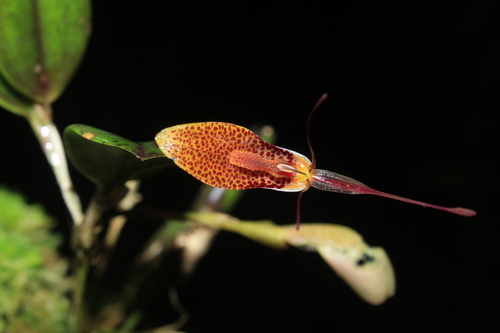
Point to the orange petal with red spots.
(204, 151)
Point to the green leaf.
(107, 159)
(13, 101)
(41, 44)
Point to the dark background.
(412, 110)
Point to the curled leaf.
(367, 270)
(107, 159)
(369, 274)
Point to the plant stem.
(47, 134)
(81, 273)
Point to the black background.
(413, 101)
